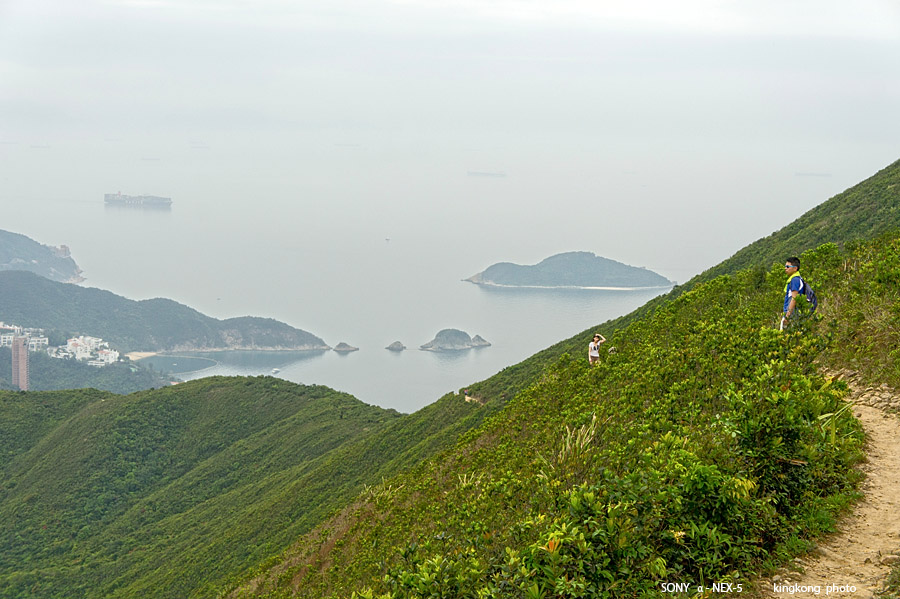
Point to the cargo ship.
(119, 198)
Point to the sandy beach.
(137, 355)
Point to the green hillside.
(148, 325)
(707, 448)
(871, 206)
(862, 212)
(174, 492)
(189, 490)
(159, 493)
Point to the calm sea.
(359, 281)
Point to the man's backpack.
(810, 295)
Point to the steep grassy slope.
(191, 535)
(706, 447)
(862, 212)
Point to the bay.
(518, 323)
(359, 282)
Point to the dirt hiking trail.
(857, 559)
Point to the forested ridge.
(148, 325)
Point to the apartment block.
(20, 363)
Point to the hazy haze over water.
(295, 139)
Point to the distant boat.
(126, 200)
(275, 371)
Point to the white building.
(78, 348)
(34, 338)
(94, 343)
(10, 328)
(38, 343)
(108, 356)
(91, 349)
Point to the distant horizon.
(295, 139)
(624, 130)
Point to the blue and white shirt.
(795, 283)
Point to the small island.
(454, 340)
(396, 346)
(344, 348)
(571, 270)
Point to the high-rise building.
(20, 363)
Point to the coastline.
(502, 286)
(139, 355)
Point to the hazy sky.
(663, 134)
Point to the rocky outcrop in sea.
(454, 340)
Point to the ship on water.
(126, 200)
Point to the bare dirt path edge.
(854, 562)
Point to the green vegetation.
(862, 212)
(572, 269)
(173, 492)
(26, 418)
(18, 252)
(863, 313)
(48, 374)
(149, 325)
(892, 585)
(705, 449)
(163, 492)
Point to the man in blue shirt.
(791, 290)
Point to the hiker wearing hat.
(594, 348)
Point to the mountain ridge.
(157, 324)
